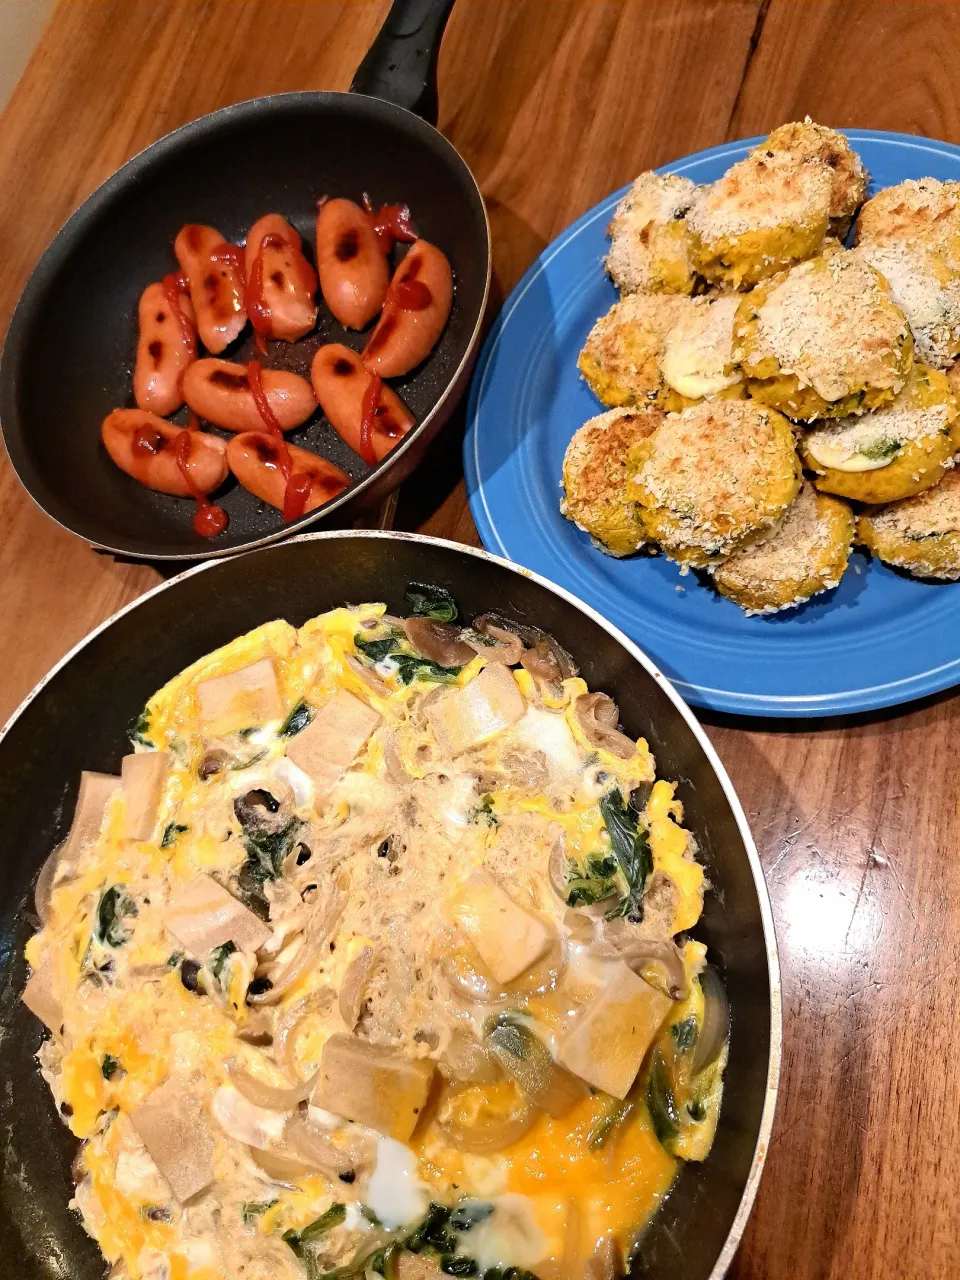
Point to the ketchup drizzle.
(368, 418)
(209, 519)
(257, 309)
(173, 285)
(299, 483)
(391, 222)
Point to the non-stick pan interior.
(79, 721)
(69, 355)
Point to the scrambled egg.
(335, 970)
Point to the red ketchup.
(209, 519)
(173, 285)
(368, 419)
(299, 483)
(391, 222)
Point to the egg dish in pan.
(374, 961)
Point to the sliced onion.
(465, 1060)
(637, 953)
(282, 1167)
(507, 648)
(716, 1019)
(288, 1028)
(318, 930)
(369, 677)
(438, 641)
(44, 885)
(350, 1000)
(598, 717)
(268, 1095)
(528, 1060)
(606, 1262)
(494, 1134)
(469, 977)
(318, 1148)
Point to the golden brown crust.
(595, 471)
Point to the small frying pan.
(68, 358)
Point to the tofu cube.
(205, 916)
(40, 999)
(240, 700)
(507, 937)
(610, 1038)
(142, 777)
(463, 718)
(333, 739)
(172, 1124)
(373, 1085)
(95, 790)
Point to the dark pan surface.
(69, 354)
(78, 720)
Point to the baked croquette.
(926, 291)
(824, 340)
(766, 213)
(894, 452)
(698, 360)
(621, 357)
(595, 472)
(918, 211)
(713, 478)
(807, 554)
(804, 140)
(921, 535)
(650, 244)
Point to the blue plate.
(880, 639)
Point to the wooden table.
(553, 105)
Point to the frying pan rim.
(753, 858)
(62, 245)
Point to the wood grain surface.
(554, 105)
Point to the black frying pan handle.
(401, 64)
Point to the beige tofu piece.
(507, 937)
(463, 718)
(205, 916)
(142, 777)
(373, 1085)
(241, 699)
(95, 790)
(610, 1039)
(333, 739)
(38, 995)
(172, 1124)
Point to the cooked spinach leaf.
(428, 601)
(468, 1213)
(458, 1264)
(880, 449)
(595, 883)
(255, 1209)
(171, 832)
(412, 667)
(298, 719)
(484, 812)
(376, 650)
(684, 1034)
(138, 731)
(114, 907)
(297, 1240)
(432, 1232)
(217, 962)
(631, 848)
(661, 1102)
(109, 1066)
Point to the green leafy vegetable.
(458, 1264)
(468, 1213)
(433, 1232)
(298, 719)
(114, 907)
(256, 1209)
(697, 1110)
(411, 667)
(174, 959)
(631, 848)
(661, 1102)
(170, 833)
(684, 1034)
(217, 962)
(300, 1240)
(484, 812)
(595, 883)
(247, 761)
(428, 601)
(138, 731)
(266, 853)
(879, 450)
(376, 650)
(109, 1066)
(611, 1118)
(371, 1217)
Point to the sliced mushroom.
(598, 717)
(263, 810)
(506, 647)
(350, 1000)
(438, 641)
(547, 661)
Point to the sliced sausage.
(281, 284)
(254, 458)
(167, 344)
(351, 263)
(417, 308)
(219, 392)
(340, 382)
(143, 445)
(214, 271)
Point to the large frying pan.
(69, 352)
(77, 719)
